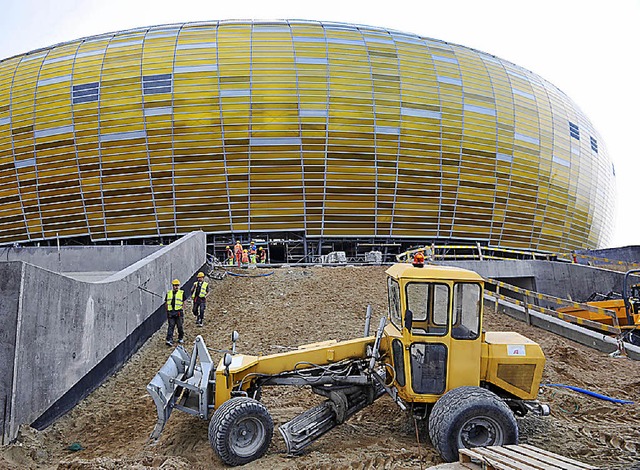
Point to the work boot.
(169, 343)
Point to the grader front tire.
(467, 417)
(240, 431)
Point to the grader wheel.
(240, 431)
(467, 417)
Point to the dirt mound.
(294, 306)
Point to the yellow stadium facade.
(333, 131)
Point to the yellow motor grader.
(430, 355)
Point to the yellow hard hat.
(200, 274)
(175, 282)
(244, 251)
(227, 247)
(259, 248)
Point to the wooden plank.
(472, 459)
(518, 457)
(529, 458)
(495, 461)
(562, 458)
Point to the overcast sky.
(589, 49)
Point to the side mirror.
(234, 338)
(408, 319)
(226, 360)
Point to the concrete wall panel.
(79, 258)
(70, 329)
(10, 275)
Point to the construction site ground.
(294, 306)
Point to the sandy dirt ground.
(295, 306)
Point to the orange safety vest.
(245, 257)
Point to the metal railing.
(528, 295)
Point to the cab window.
(466, 311)
(394, 302)
(429, 306)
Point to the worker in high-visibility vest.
(229, 256)
(199, 293)
(174, 301)
(252, 252)
(237, 250)
(245, 257)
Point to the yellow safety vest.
(203, 290)
(179, 298)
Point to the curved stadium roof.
(333, 130)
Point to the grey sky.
(589, 49)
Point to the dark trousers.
(173, 321)
(198, 309)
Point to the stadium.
(326, 135)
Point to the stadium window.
(85, 93)
(574, 130)
(154, 84)
(594, 145)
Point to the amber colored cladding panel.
(327, 128)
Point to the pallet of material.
(517, 457)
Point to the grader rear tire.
(240, 431)
(467, 417)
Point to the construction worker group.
(243, 257)
(174, 302)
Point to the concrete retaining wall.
(79, 258)
(10, 275)
(71, 335)
(630, 254)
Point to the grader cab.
(429, 354)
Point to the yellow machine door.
(465, 349)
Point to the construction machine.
(429, 354)
(624, 309)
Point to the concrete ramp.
(62, 336)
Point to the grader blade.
(163, 386)
(184, 382)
